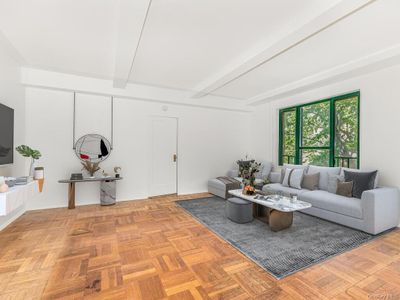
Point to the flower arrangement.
(248, 170)
(244, 164)
(249, 190)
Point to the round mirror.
(92, 147)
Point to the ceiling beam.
(328, 18)
(131, 23)
(359, 67)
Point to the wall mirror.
(92, 147)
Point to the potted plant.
(27, 151)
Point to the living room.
(174, 93)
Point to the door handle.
(174, 157)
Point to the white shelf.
(17, 196)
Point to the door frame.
(150, 173)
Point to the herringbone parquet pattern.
(152, 249)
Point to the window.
(323, 133)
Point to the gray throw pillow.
(362, 181)
(310, 181)
(344, 188)
(361, 170)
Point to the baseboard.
(7, 220)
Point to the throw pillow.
(310, 181)
(332, 182)
(291, 166)
(285, 173)
(293, 178)
(361, 170)
(362, 181)
(324, 172)
(344, 188)
(282, 175)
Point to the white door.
(163, 156)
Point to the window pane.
(346, 132)
(288, 136)
(318, 157)
(315, 125)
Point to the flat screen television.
(6, 135)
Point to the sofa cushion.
(265, 169)
(278, 187)
(293, 178)
(344, 188)
(290, 166)
(310, 181)
(362, 181)
(324, 175)
(362, 170)
(256, 181)
(333, 182)
(339, 204)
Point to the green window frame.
(291, 140)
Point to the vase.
(32, 168)
(39, 176)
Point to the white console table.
(17, 196)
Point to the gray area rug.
(310, 240)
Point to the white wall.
(379, 123)
(209, 141)
(12, 95)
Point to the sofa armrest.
(381, 209)
(275, 177)
(233, 173)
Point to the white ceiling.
(366, 32)
(63, 35)
(186, 43)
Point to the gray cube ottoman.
(239, 210)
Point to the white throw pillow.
(293, 178)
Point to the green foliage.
(27, 151)
(289, 136)
(315, 132)
(346, 129)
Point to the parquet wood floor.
(152, 249)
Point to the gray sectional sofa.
(377, 210)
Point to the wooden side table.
(107, 192)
